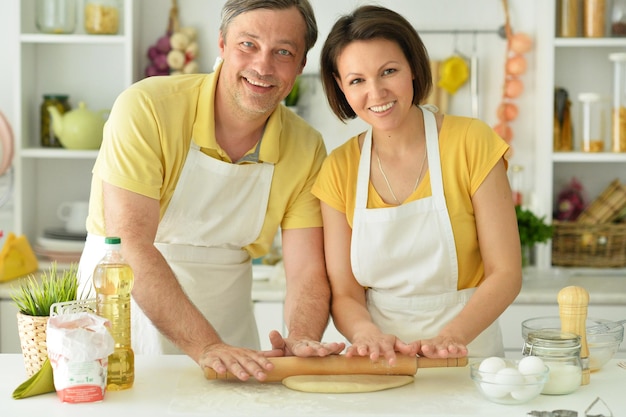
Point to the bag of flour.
(79, 345)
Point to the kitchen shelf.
(73, 39)
(58, 153)
(589, 42)
(578, 65)
(89, 68)
(587, 157)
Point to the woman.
(421, 240)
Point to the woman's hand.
(381, 345)
(441, 347)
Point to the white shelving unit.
(578, 65)
(90, 68)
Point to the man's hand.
(242, 363)
(302, 347)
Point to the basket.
(32, 332)
(586, 245)
(606, 207)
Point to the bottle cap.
(112, 240)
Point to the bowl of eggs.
(603, 336)
(506, 381)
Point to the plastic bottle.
(113, 281)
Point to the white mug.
(74, 214)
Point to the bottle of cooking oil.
(113, 281)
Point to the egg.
(531, 365)
(493, 390)
(492, 365)
(527, 392)
(509, 379)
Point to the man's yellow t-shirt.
(469, 149)
(148, 135)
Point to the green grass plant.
(35, 296)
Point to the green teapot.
(80, 128)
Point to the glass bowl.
(508, 385)
(602, 345)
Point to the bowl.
(509, 383)
(602, 345)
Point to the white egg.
(493, 390)
(531, 365)
(527, 392)
(492, 365)
(509, 379)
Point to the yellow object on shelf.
(453, 73)
(17, 258)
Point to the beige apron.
(217, 208)
(407, 258)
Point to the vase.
(32, 332)
(528, 255)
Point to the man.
(195, 174)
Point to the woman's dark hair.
(367, 23)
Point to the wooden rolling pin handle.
(341, 365)
(573, 302)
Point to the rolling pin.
(573, 302)
(285, 366)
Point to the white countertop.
(174, 386)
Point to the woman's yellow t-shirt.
(469, 149)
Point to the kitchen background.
(477, 23)
(100, 69)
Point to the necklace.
(419, 176)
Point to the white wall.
(426, 15)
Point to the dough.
(345, 383)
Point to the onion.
(521, 43)
(513, 88)
(507, 112)
(504, 131)
(516, 65)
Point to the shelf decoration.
(176, 51)
(518, 44)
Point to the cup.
(74, 214)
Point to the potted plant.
(294, 95)
(532, 230)
(33, 299)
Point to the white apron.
(407, 258)
(216, 209)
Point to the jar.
(56, 16)
(560, 351)
(618, 18)
(61, 102)
(594, 126)
(569, 18)
(618, 114)
(594, 18)
(102, 17)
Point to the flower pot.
(32, 332)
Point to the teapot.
(80, 128)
